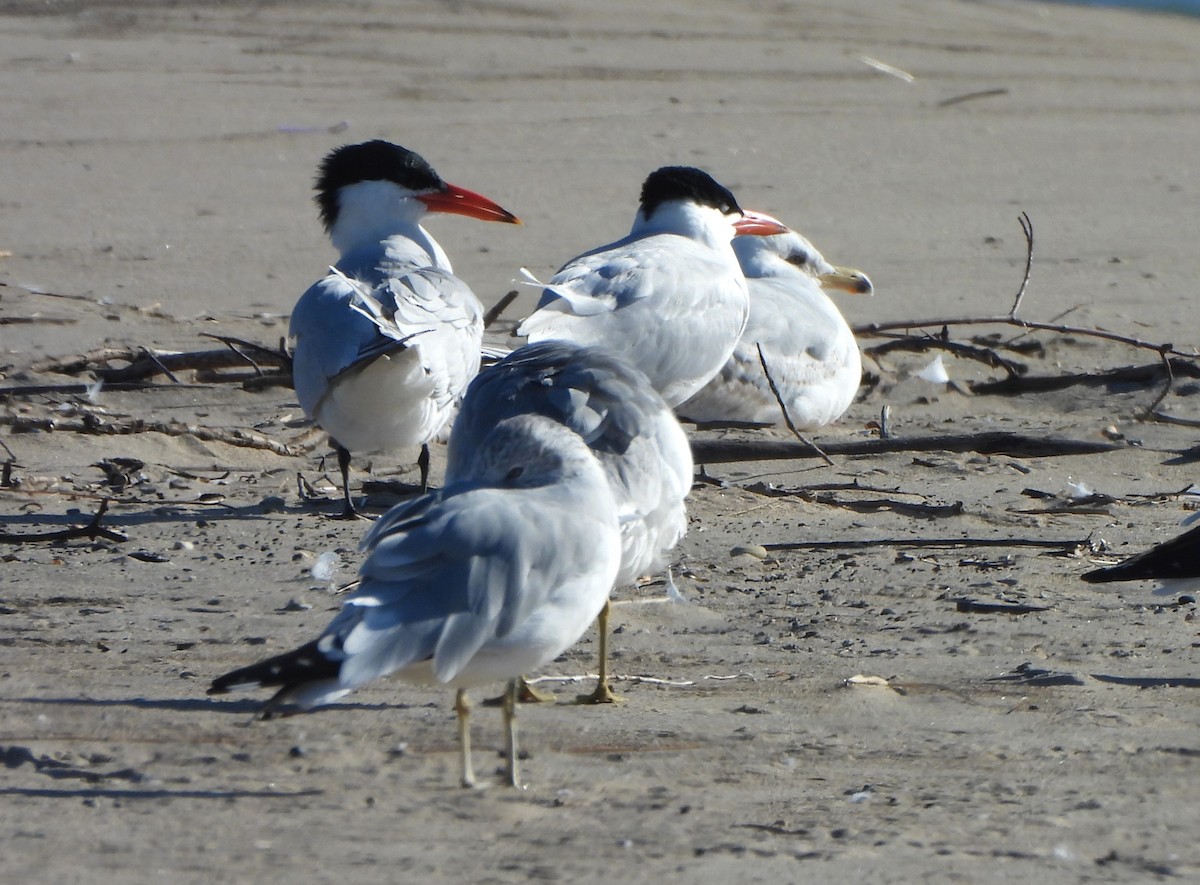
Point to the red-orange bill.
(758, 224)
(460, 201)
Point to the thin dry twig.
(1027, 230)
(158, 363)
(869, 330)
(922, 343)
(971, 96)
(1166, 418)
(787, 418)
(1011, 318)
(498, 308)
(1162, 394)
(237, 345)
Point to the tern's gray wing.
(667, 303)
(328, 338)
(342, 324)
(436, 314)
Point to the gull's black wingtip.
(302, 665)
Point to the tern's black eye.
(798, 257)
(514, 474)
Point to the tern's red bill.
(758, 224)
(460, 201)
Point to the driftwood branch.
(91, 531)
(915, 509)
(90, 423)
(922, 343)
(950, 543)
(720, 451)
(37, 321)
(244, 348)
(80, 388)
(143, 363)
(1145, 374)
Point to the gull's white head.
(783, 253)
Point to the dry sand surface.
(156, 170)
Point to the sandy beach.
(946, 701)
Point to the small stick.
(1027, 229)
(498, 308)
(985, 355)
(234, 343)
(1174, 419)
(787, 418)
(1150, 409)
(871, 330)
(154, 359)
(1011, 318)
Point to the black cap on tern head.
(685, 183)
(370, 161)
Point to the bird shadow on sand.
(157, 793)
(240, 706)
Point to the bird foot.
(526, 694)
(349, 512)
(602, 695)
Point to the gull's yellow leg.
(462, 706)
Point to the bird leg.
(423, 466)
(510, 730)
(602, 694)
(343, 459)
(462, 706)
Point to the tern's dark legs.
(423, 465)
(343, 459)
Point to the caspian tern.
(806, 343)
(491, 577)
(368, 389)
(631, 430)
(670, 296)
